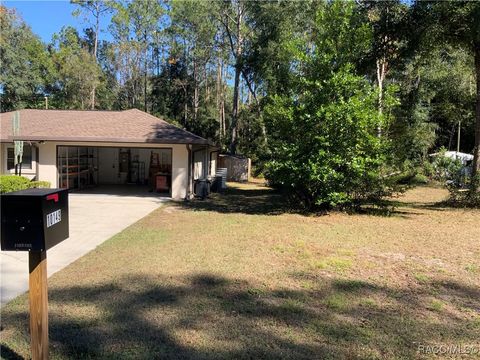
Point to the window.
(26, 159)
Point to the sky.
(48, 17)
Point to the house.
(83, 149)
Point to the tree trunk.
(95, 49)
(236, 85)
(233, 124)
(185, 107)
(97, 28)
(224, 91)
(145, 74)
(195, 91)
(207, 89)
(217, 96)
(476, 151)
(380, 80)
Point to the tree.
(194, 34)
(388, 20)
(26, 68)
(144, 17)
(456, 23)
(96, 8)
(232, 17)
(135, 27)
(323, 143)
(77, 70)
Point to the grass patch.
(336, 264)
(292, 306)
(337, 302)
(352, 285)
(238, 276)
(422, 278)
(472, 268)
(368, 302)
(436, 305)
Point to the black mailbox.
(34, 219)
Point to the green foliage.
(282, 32)
(323, 144)
(253, 141)
(408, 178)
(412, 134)
(324, 152)
(9, 183)
(26, 68)
(437, 93)
(39, 184)
(446, 169)
(455, 24)
(460, 197)
(77, 70)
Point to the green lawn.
(239, 276)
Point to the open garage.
(85, 167)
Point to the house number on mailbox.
(54, 217)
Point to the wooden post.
(37, 262)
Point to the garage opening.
(88, 167)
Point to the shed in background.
(238, 167)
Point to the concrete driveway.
(94, 218)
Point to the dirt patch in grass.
(240, 276)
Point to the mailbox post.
(35, 220)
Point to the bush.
(325, 151)
(323, 145)
(465, 197)
(409, 178)
(428, 169)
(9, 183)
(447, 169)
(39, 184)
(420, 179)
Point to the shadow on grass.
(252, 200)
(8, 354)
(209, 317)
(256, 200)
(404, 209)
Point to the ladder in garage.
(158, 180)
(154, 166)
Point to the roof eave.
(107, 139)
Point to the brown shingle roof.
(132, 126)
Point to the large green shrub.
(323, 134)
(327, 152)
(9, 183)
